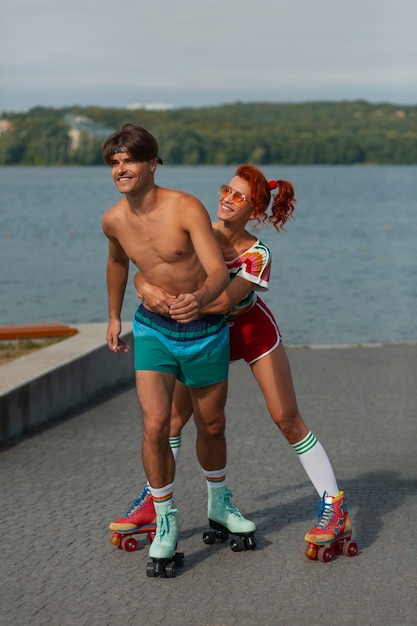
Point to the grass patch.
(12, 350)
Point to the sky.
(191, 53)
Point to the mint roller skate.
(333, 532)
(225, 519)
(140, 518)
(162, 550)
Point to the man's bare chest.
(155, 243)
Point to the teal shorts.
(196, 353)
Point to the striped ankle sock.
(316, 464)
(175, 445)
(162, 496)
(216, 478)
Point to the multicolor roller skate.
(224, 518)
(162, 551)
(140, 518)
(333, 532)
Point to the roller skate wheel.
(325, 555)
(350, 548)
(237, 544)
(170, 571)
(157, 568)
(151, 536)
(179, 559)
(338, 546)
(250, 543)
(209, 537)
(150, 570)
(129, 544)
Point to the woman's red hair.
(283, 202)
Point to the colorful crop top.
(253, 265)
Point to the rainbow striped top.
(253, 265)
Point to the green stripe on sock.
(175, 442)
(305, 444)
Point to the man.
(167, 234)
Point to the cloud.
(225, 50)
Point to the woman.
(254, 337)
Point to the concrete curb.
(55, 380)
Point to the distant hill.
(261, 133)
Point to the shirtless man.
(167, 234)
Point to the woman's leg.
(273, 375)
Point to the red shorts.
(254, 334)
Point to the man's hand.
(154, 298)
(114, 342)
(185, 308)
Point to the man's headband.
(119, 149)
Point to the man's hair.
(137, 141)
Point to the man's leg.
(224, 517)
(155, 391)
(141, 513)
(208, 404)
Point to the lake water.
(344, 272)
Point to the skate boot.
(224, 518)
(162, 550)
(333, 531)
(140, 518)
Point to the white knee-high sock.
(317, 465)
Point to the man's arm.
(187, 307)
(236, 291)
(117, 275)
(210, 257)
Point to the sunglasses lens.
(238, 198)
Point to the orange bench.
(36, 331)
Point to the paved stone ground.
(61, 486)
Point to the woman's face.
(235, 201)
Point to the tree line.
(307, 133)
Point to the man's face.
(131, 176)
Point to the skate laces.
(324, 512)
(138, 503)
(163, 523)
(229, 506)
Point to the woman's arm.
(157, 300)
(237, 290)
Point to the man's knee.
(214, 427)
(155, 429)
